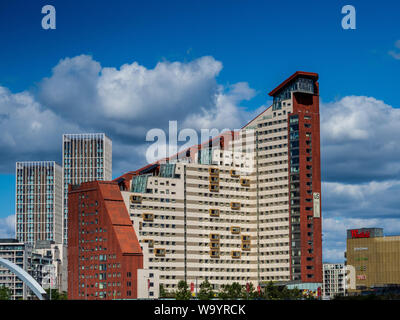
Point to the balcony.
(234, 174)
(235, 230)
(159, 252)
(214, 179)
(214, 245)
(235, 205)
(245, 182)
(214, 187)
(136, 199)
(214, 253)
(236, 254)
(214, 212)
(148, 216)
(213, 171)
(214, 236)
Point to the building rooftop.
(9, 240)
(294, 76)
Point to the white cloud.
(226, 113)
(7, 227)
(28, 130)
(359, 140)
(360, 153)
(169, 88)
(126, 102)
(333, 255)
(133, 95)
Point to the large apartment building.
(38, 201)
(104, 254)
(86, 157)
(242, 207)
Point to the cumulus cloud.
(359, 140)
(226, 113)
(29, 132)
(80, 95)
(360, 155)
(132, 95)
(370, 199)
(7, 227)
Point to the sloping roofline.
(291, 78)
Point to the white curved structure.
(25, 277)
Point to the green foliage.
(251, 294)
(231, 291)
(273, 292)
(206, 292)
(5, 293)
(235, 291)
(56, 295)
(183, 292)
(164, 293)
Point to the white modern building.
(17, 253)
(56, 272)
(86, 157)
(38, 201)
(334, 280)
(35, 261)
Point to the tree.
(183, 292)
(274, 292)
(56, 295)
(164, 293)
(251, 293)
(5, 293)
(231, 291)
(206, 292)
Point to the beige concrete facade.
(218, 234)
(230, 211)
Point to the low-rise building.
(334, 280)
(55, 275)
(19, 254)
(35, 260)
(374, 259)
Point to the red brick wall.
(305, 104)
(104, 211)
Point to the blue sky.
(237, 50)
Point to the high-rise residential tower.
(38, 201)
(242, 207)
(86, 157)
